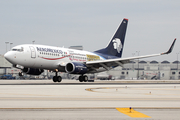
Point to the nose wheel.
(20, 73)
(83, 78)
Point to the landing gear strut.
(83, 78)
(57, 78)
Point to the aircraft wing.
(110, 63)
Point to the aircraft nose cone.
(8, 56)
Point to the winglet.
(170, 49)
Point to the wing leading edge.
(110, 63)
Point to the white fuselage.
(47, 57)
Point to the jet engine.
(76, 68)
(32, 71)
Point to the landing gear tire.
(80, 78)
(57, 79)
(83, 78)
(54, 79)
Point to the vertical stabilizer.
(116, 44)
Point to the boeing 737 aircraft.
(33, 59)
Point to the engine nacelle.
(32, 71)
(76, 68)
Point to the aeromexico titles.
(33, 59)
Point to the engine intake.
(76, 68)
(32, 71)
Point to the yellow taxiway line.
(132, 113)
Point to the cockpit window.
(14, 49)
(20, 50)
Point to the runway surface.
(87, 114)
(43, 99)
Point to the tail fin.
(115, 46)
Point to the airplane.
(33, 59)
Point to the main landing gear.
(83, 78)
(57, 78)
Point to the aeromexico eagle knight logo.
(117, 44)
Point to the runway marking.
(90, 89)
(132, 113)
(117, 90)
(101, 88)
